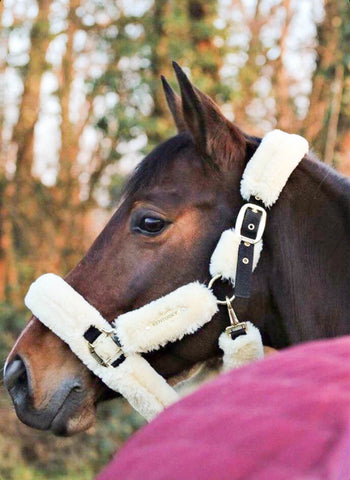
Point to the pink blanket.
(286, 417)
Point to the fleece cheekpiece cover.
(224, 260)
(244, 349)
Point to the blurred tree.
(327, 124)
(184, 31)
(19, 208)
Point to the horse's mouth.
(73, 416)
(70, 409)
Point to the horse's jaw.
(202, 372)
(194, 377)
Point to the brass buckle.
(115, 350)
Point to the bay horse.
(175, 206)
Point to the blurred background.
(81, 103)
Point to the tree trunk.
(23, 133)
(329, 55)
(334, 114)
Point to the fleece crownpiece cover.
(268, 170)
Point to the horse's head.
(174, 208)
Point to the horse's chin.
(64, 415)
(67, 427)
(70, 421)
(64, 425)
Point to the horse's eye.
(151, 225)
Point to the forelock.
(150, 170)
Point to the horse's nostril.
(15, 375)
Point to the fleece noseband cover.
(168, 319)
(69, 316)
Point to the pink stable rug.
(283, 418)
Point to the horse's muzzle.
(59, 409)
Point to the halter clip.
(236, 328)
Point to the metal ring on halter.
(211, 283)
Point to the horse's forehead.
(182, 179)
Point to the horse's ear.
(175, 106)
(215, 136)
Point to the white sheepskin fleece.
(224, 259)
(167, 319)
(244, 349)
(62, 309)
(145, 390)
(271, 165)
(69, 315)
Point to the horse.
(174, 207)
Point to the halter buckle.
(105, 349)
(240, 220)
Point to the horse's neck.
(307, 258)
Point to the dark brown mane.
(336, 185)
(152, 167)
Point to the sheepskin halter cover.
(114, 352)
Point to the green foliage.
(12, 322)
(142, 50)
(29, 454)
(115, 188)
